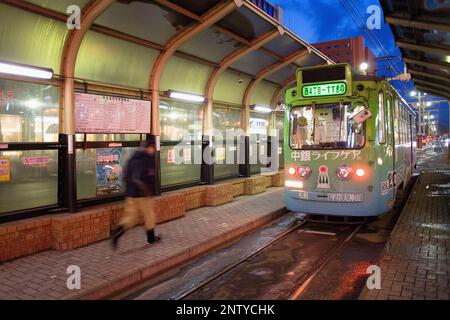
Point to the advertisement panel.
(5, 171)
(109, 171)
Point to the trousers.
(134, 209)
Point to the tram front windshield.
(326, 126)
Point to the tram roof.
(124, 42)
(422, 32)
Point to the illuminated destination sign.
(323, 90)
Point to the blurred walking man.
(139, 175)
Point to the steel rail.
(335, 252)
(236, 264)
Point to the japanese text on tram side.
(328, 155)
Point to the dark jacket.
(139, 175)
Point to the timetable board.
(106, 114)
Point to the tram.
(350, 143)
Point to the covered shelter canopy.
(228, 51)
(422, 32)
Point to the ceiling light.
(186, 96)
(25, 71)
(262, 109)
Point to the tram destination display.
(106, 114)
(322, 90)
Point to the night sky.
(324, 20)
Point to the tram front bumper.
(331, 203)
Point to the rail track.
(307, 278)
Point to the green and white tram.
(350, 143)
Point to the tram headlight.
(344, 173)
(303, 171)
(360, 172)
(292, 171)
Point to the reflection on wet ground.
(438, 190)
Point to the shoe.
(151, 237)
(119, 232)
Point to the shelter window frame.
(29, 113)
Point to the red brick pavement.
(104, 272)
(416, 260)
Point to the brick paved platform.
(104, 272)
(416, 261)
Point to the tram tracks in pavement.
(217, 275)
(335, 252)
(307, 278)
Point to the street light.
(364, 67)
(413, 93)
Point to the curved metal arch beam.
(206, 21)
(231, 34)
(429, 75)
(69, 56)
(432, 85)
(434, 92)
(284, 86)
(226, 63)
(260, 77)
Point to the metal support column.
(244, 168)
(155, 142)
(207, 169)
(67, 186)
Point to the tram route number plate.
(331, 197)
(345, 197)
(303, 195)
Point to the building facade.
(351, 50)
(272, 10)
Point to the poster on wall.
(171, 156)
(109, 171)
(5, 174)
(35, 161)
(258, 126)
(105, 114)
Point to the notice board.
(106, 114)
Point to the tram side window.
(404, 127)
(409, 129)
(400, 119)
(326, 126)
(381, 119)
(396, 123)
(389, 117)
